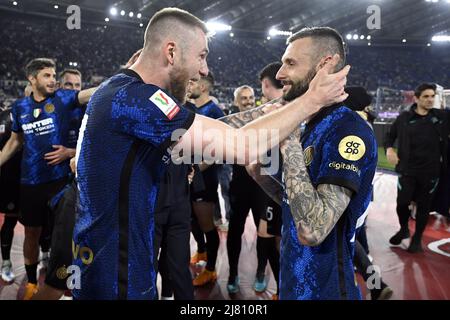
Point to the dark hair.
(327, 41)
(157, 24)
(34, 66)
(270, 71)
(358, 98)
(71, 71)
(422, 87)
(209, 78)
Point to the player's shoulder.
(61, 93)
(21, 102)
(348, 126)
(212, 104)
(131, 85)
(347, 119)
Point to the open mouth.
(286, 87)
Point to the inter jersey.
(43, 125)
(340, 149)
(122, 153)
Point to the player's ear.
(31, 78)
(169, 52)
(323, 62)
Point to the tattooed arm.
(315, 212)
(240, 119)
(266, 182)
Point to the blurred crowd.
(99, 52)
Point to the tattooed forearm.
(315, 212)
(240, 119)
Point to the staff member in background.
(422, 135)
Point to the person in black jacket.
(422, 134)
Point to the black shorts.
(10, 199)
(205, 190)
(34, 200)
(10, 186)
(273, 218)
(61, 254)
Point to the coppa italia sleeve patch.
(165, 104)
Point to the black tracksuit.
(422, 150)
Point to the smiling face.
(298, 68)
(245, 99)
(189, 64)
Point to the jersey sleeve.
(69, 98)
(15, 113)
(149, 113)
(349, 149)
(216, 113)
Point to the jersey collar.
(132, 73)
(35, 101)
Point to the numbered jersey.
(339, 149)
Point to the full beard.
(194, 95)
(179, 80)
(299, 88)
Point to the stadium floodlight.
(361, 37)
(75, 64)
(106, 19)
(349, 36)
(369, 44)
(369, 37)
(404, 40)
(441, 38)
(355, 37)
(113, 11)
(131, 14)
(122, 12)
(231, 34)
(217, 26)
(268, 38)
(139, 15)
(141, 24)
(15, 3)
(56, 6)
(428, 44)
(274, 32)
